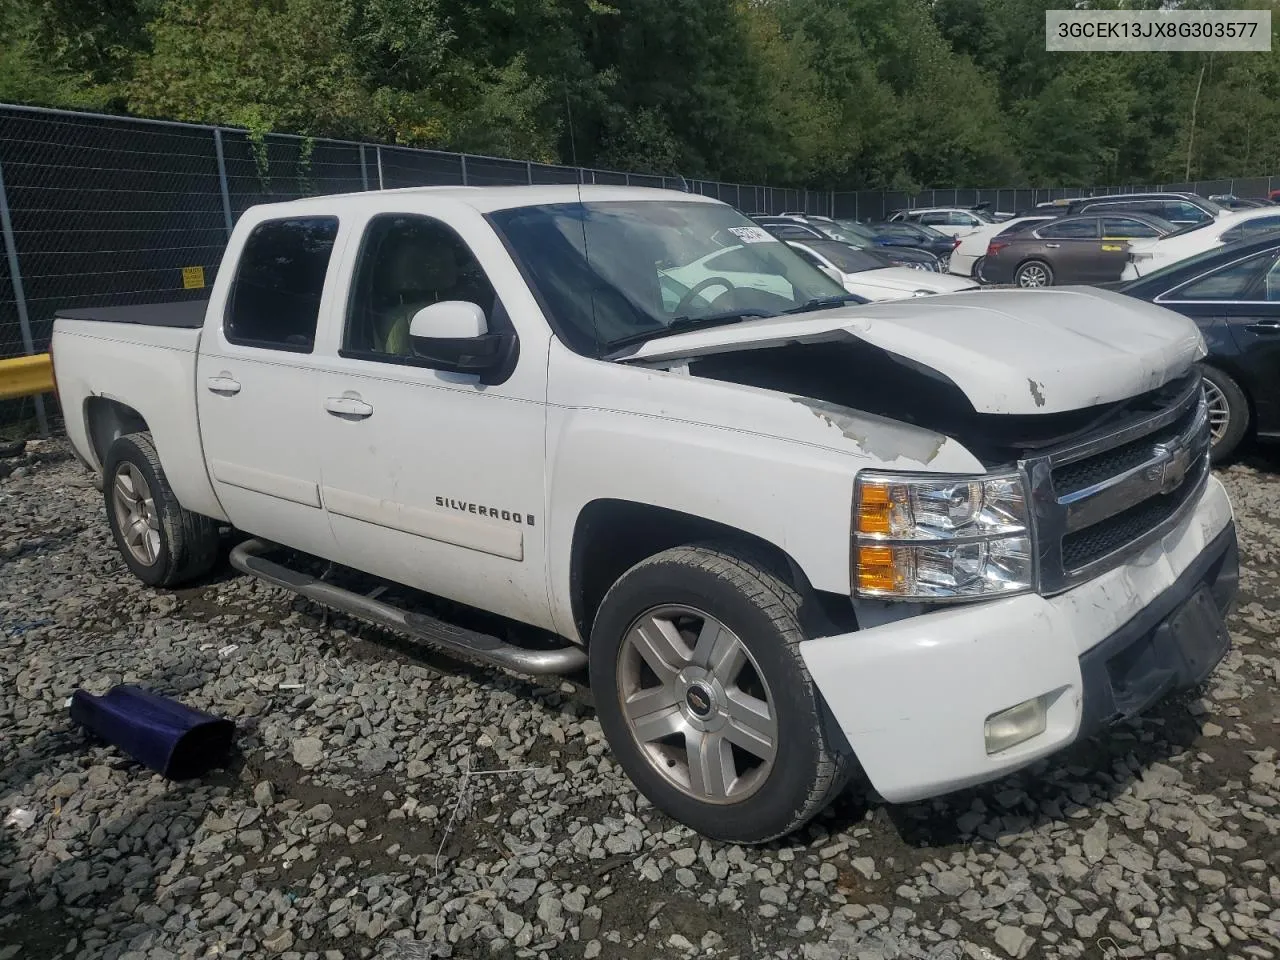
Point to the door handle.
(223, 386)
(349, 408)
(1053, 246)
(1264, 326)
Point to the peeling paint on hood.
(1009, 351)
(878, 437)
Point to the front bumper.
(912, 696)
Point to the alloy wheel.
(136, 515)
(697, 704)
(1033, 275)
(1219, 411)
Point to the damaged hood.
(1008, 351)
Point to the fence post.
(222, 179)
(19, 295)
(364, 169)
(528, 169)
(378, 157)
(627, 177)
(463, 158)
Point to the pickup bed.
(935, 539)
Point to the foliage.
(826, 93)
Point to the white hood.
(1009, 351)
(893, 283)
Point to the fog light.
(1008, 728)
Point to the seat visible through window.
(407, 263)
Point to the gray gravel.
(390, 801)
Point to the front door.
(1237, 308)
(258, 391)
(433, 479)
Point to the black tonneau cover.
(188, 314)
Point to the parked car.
(967, 258)
(1149, 255)
(873, 276)
(786, 536)
(953, 221)
(1180, 209)
(1232, 202)
(853, 233)
(1233, 295)
(1082, 249)
(904, 233)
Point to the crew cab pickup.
(788, 537)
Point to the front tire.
(704, 698)
(1034, 273)
(161, 543)
(1228, 412)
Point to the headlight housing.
(932, 537)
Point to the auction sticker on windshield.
(752, 235)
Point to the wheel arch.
(612, 535)
(106, 421)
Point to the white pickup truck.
(789, 537)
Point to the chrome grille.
(1100, 499)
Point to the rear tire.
(977, 269)
(1033, 274)
(161, 543)
(1228, 412)
(704, 698)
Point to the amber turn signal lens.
(874, 506)
(877, 570)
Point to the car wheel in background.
(1228, 412)
(977, 269)
(161, 543)
(703, 696)
(1034, 273)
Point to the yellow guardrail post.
(31, 369)
(26, 376)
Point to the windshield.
(613, 271)
(849, 259)
(1155, 276)
(858, 231)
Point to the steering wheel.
(682, 307)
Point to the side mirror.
(454, 335)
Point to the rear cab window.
(275, 296)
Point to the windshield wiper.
(821, 303)
(685, 324)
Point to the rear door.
(258, 391)
(1072, 246)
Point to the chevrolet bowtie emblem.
(1170, 469)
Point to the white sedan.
(870, 275)
(966, 258)
(1146, 256)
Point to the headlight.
(940, 538)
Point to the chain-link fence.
(116, 210)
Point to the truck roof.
(483, 199)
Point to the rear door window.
(275, 296)
(1127, 228)
(1084, 228)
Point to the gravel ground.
(389, 801)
